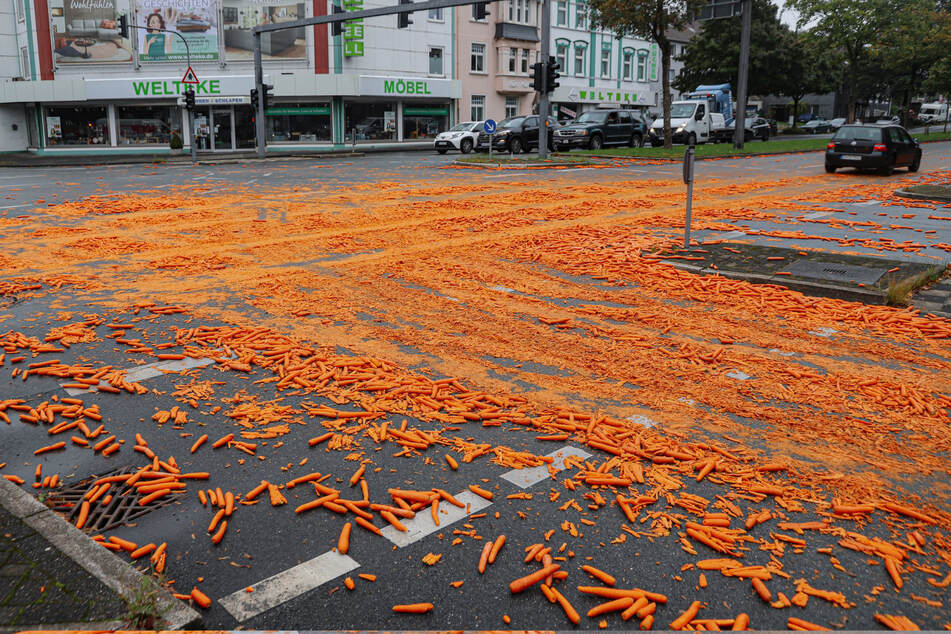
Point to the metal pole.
(543, 106)
(739, 131)
(688, 178)
(259, 84)
(191, 127)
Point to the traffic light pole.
(259, 122)
(544, 107)
(739, 130)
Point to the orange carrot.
(798, 624)
(647, 622)
(472, 487)
(313, 442)
(343, 542)
(452, 462)
(200, 598)
(688, 615)
(217, 537)
(496, 547)
(256, 491)
(123, 544)
(413, 608)
(741, 623)
(221, 442)
(762, 590)
(358, 474)
(199, 442)
(570, 612)
(891, 565)
(485, 556)
(83, 514)
(348, 582)
(610, 606)
(151, 497)
(389, 517)
(637, 605)
(368, 525)
(523, 583)
(214, 521)
(602, 576)
(367, 577)
(48, 448)
(142, 551)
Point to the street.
(398, 325)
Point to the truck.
(695, 118)
(933, 113)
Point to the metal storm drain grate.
(835, 272)
(122, 508)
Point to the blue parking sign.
(489, 126)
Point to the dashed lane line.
(525, 478)
(423, 524)
(150, 371)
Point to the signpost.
(688, 179)
(489, 127)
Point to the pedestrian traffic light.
(190, 99)
(265, 94)
(538, 79)
(124, 26)
(254, 99)
(552, 75)
(480, 10)
(402, 19)
(336, 28)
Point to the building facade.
(70, 82)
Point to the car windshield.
(682, 110)
(858, 133)
(461, 127)
(514, 122)
(592, 117)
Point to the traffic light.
(402, 19)
(552, 75)
(190, 99)
(124, 26)
(538, 79)
(336, 28)
(480, 10)
(254, 99)
(265, 94)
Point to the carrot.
(452, 462)
(475, 489)
(304, 478)
(343, 542)
(688, 615)
(253, 493)
(54, 447)
(389, 517)
(14, 479)
(611, 606)
(200, 598)
(741, 623)
(798, 624)
(485, 556)
(891, 565)
(221, 442)
(83, 514)
(496, 547)
(199, 442)
(358, 474)
(762, 590)
(214, 521)
(413, 608)
(123, 544)
(523, 583)
(602, 576)
(368, 525)
(151, 497)
(647, 622)
(637, 605)
(142, 551)
(570, 612)
(229, 503)
(313, 442)
(367, 577)
(904, 510)
(348, 582)
(217, 537)
(275, 494)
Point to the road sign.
(718, 9)
(190, 77)
(489, 126)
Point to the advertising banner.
(238, 17)
(195, 20)
(87, 32)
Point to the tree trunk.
(664, 45)
(795, 110)
(853, 84)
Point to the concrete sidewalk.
(52, 576)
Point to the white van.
(691, 122)
(934, 113)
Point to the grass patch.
(941, 192)
(142, 605)
(508, 159)
(899, 294)
(773, 146)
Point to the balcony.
(513, 84)
(519, 32)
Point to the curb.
(904, 193)
(510, 166)
(164, 159)
(99, 562)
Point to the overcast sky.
(788, 15)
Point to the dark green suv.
(596, 128)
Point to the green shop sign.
(174, 88)
(421, 112)
(607, 96)
(273, 112)
(401, 87)
(353, 30)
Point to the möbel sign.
(410, 86)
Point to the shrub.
(176, 142)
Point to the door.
(626, 127)
(702, 123)
(244, 130)
(898, 146)
(530, 131)
(611, 125)
(202, 130)
(222, 129)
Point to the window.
(525, 54)
(561, 55)
(21, 16)
(513, 59)
(477, 58)
(561, 13)
(370, 121)
(77, 125)
(518, 11)
(642, 66)
(474, 15)
(605, 59)
(435, 61)
(511, 107)
(435, 15)
(298, 122)
(477, 107)
(148, 124)
(627, 70)
(580, 49)
(424, 121)
(624, 116)
(24, 62)
(581, 16)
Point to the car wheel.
(442, 151)
(637, 140)
(595, 142)
(692, 139)
(915, 164)
(515, 146)
(830, 169)
(466, 146)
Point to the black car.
(881, 147)
(517, 134)
(756, 128)
(597, 128)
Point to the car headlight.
(681, 129)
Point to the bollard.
(688, 179)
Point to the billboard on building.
(238, 17)
(195, 20)
(87, 31)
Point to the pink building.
(494, 60)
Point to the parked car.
(817, 126)
(518, 134)
(462, 137)
(837, 123)
(597, 128)
(756, 128)
(806, 116)
(889, 121)
(773, 127)
(881, 147)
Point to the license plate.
(851, 157)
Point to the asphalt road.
(285, 557)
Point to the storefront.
(570, 101)
(394, 109)
(299, 123)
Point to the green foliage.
(142, 606)
(175, 142)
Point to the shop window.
(435, 61)
(477, 60)
(424, 121)
(79, 125)
(606, 59)
(477, 107)
(148, 125)
(580, 53)
(299, 123)
(371, 121)
(511, 107)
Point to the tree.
(851, 26)
(650, 20)
(809, 69)
(713, 54)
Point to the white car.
(462, 137)
(837, 123)
(889, 121)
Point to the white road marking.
(738, 375)
(817, 214)
(525, 478)
(12, 206)
(150, 371)
(287, 585)
(423, 525)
